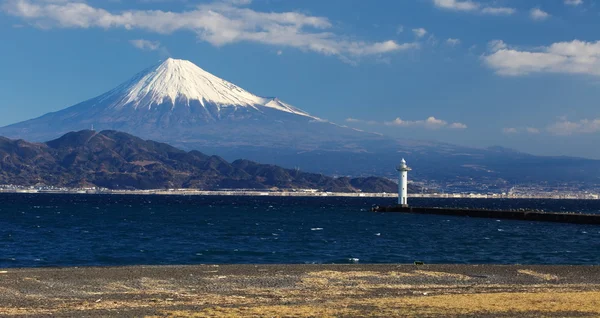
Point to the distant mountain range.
(118, 160)
(181, 104)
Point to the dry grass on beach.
(540, 304)
(304, 291)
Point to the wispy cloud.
(218, 23)
(496, 45)
(573, 2)
(369, 122)
(429, 123)
(419, 32)
(532, 130)
(538, 14)
(453, 42)
(513, 130)
(575, 57)
(499, 10)
(566, 127)
(562, 127)
(472, 6)
(145, 44)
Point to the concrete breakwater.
(523, 215)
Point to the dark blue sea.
(89, 230)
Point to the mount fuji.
(181, 104)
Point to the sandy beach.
(303, 291)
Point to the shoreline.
(303, 291)
(255, 193)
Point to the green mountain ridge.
(117, 160)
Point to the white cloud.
(538, 14)
(457, 126)
(452, 41)
(573, 2)
(353, 120)
(218, 23)
(429, 123)
(145, 45)
(575, 57)
(434, 123)
(472, 6)
(565, 127)
(532, 130)
(510, 130)
(399, 29)
(457, 5)
(419, 32)
(280, 52)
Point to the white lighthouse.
(403, 183)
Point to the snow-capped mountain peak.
(178, 82)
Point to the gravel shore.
(303, 291)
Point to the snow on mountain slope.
(177, 101)
(179, 82)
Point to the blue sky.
(523, 74)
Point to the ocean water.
(109, 230)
